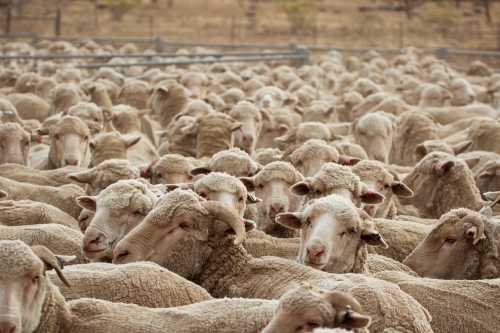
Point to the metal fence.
(294, 51)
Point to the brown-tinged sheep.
(134, 93)
(264, 156)
(479, 68)
(177, 142)
(44, 86)
(487, 177)
(304, 132)
(366, 87)
(251, 118)
(14, 144)
(309, 158)
(433, 95)
(412, 128)
(55, 178)
(167, 99)
(169, 169)
(26, 83)
(8, 77)
(374, 133)
(485, 136)
(215, 132)
(110, 74)
(29, 106)
(195, 108)
(217, 261)
(234, 162)
(429, 146)
(99, 94)
(196, 82)
(440, 183)
(58, 238)
(336, 179)
(104, 174)
(463, 245)
(111, 145)
(384, 180)
(465, 306)
(64, 96)
(62, 197)
(117, 209)
(483, 156)
(458, 125)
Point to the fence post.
(34, 38)
(442, 53)
(293, 46)
(57, 27)
(304, 53)
(159, 44)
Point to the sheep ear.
(301, 188)
(329, 112)
(236, 126)
(146, 171)
(85, 177)
(373, 237)
(471, 162)
(251, 199)
(288, 137)
(486, 212)
(163, 89)
(462, 146)
(348, 160)
(182, 186)
(190, 129)
(474, 234)
(289, 101)
(249, 226)
(351, 319)
(346, 317)
(3, 194)
(108, 114)
(492, 196)
(131, 140)
(248, 182)
(298, 109)
(401, 190)
(43, 131)
(444, 167)
(87, 202)
(202, 169)
(371, 197)
(290, 220)
(52, 261)
(420, 151)
(143, 112)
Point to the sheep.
(14, 144)
(264, 156)
(196, 108)
(450, 114)
(9, 76)
(334, 236)
(251, 118)
(484, 135)
(64, 96)
(69, 75)
(336, 179)
(58, 238)
(29, 106)
(377, 176)
(462, 92)
(483, 156)
(463, 245)
(271, 185)
(366, 87)
(347, 101)
(117, 209)
(134, 93)
(62, 197)
(111, 145)
(374, 133)
(433, 95)
(304, 132)
(170, 169)
(49, 311)
(126, 121)
(201, 234)
(348, 148)
(479, 68)
(320, 111)
(467, 306)
(367, 104)
(104, 174)
(412, 128)
(110, 74)
(69, 144)
(55, 178)
(27, 212)
(279, 122)
(167, 99)
(91, 112)
(233, 95)
(99, 94)
(215, 132)
(196, 82)
(177, 142)
(429, 146)
(26, 83)
(271, 97)
(312, 155)
(234, 161)
(440, 183)
(392, 106)
(44, 86)
(486, 177)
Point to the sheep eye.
(299, 163)
(318, 192)
(86, 138)
(313, 324)
(270, 130)
(343, 233)
(96, 119)
(241, 199)
(56, 136)
(184, 225)
(138, 212)
(450, 240)
(309, 224)
(387, 185)
(352, 231)
(203, 195)
(35, 279)
(159, 175)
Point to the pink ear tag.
(348, 160)
(144, 169)
(244, 221)
(116, 114)
(38, 139)
(369, 193)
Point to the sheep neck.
(225, 260)
(55, 313)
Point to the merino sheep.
(271, 97)
(111, 145)
(55, 178)
(134, 93)
(14, 144)
(462, 92)
(64, 96)
(361, 108)
(463, 245)
(429, 146)
(234, 161)
(450, 114)
(485, 136)
(178, 142)
(374, 133)
(251, 118)
(91, 112)
(440, 183)
(433, 95)
(264, 156)
(304, 132)
(26, 83)
(202, 234)
(167, 100)
(170, 169)
(30, 106)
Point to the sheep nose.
(193, 95)
(247, 139)
(71, 161)
(278, 208)
(7, 325)
(314, 253)
(119, 256)
(266, 103)
(87, 240)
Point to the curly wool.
(316, 148)
(180, 202)
(220, 182)
(279, 170)
(334, 175)
(174, 163)
(16, 258)
(336, 204)
(11, 131)
(121, 194)
(86, 111)
(234, 161)
(245, 109)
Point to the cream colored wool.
(412, 128)
(484, 157)
(378, 263)
(57, 238)
(29, 106)
(334, 175)
(167, 100)
(455, 305)
(267, 155)
(350, 149)
(208, 256)
(220, 182)
(88, 111)
(105, 174)
(55, 178)
(259, 244)
(235, 162)
(15, 143)
(140, 283)
(279, 170)
(99, 95)
(485, 136)
(487, 177)
(62, 97)
(170, 163)
(26, 212)
(178, 142)
(62, 197)
(134, 93)
(110, 145)
(401, 236)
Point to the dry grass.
(337, 23)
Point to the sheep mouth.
(316, 266)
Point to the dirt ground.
(336, 22)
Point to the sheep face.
(462, 92)
(84, 219)
(452, 248)
(69, 143)
(271, 97)
(374, 133)
(14, 144)
(23, 284)
(306, 308)
(171, 169)
(331, 232)
(362, 108)
(111, 75)
(250, 117)
(87, 111)
(196, 82)
(111, 145)
(117, 210)
(179, 233)
(488, 178)
(434, 96)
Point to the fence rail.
(299, 52)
